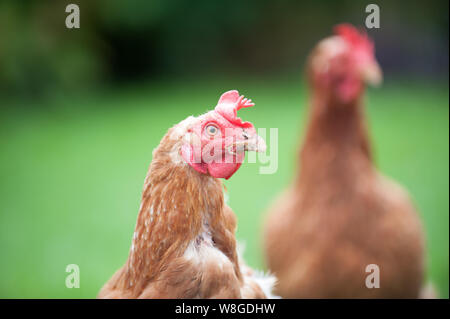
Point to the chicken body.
(340, 215)
(184, 242)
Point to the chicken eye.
(212, 130)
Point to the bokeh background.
(81, 111)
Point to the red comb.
(229, 103)
(357, 39)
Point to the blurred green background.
(81, 111)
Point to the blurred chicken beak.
(372, 74)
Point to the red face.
(345, 62)
(345, 78)
(217, 141)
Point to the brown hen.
(184, 242)
(341, 215)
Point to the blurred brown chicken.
(341, 215)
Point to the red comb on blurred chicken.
(184, 244)
(340, 214)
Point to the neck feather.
(177, 202)
(336, 139)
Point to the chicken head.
(215, 143)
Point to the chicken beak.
(256, 144)
(372, 74)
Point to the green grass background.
(72, 169)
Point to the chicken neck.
(178, 206)
(336, 144)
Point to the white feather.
(266, 281)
